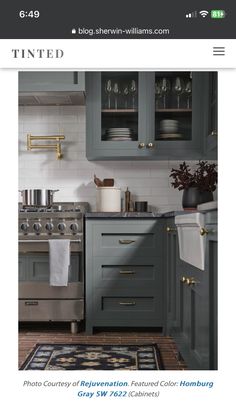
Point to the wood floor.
(30, 335)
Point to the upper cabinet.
(148, 115)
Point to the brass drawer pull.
(126, 241)
(127, 303)
(141, 145)
(169, 229)
(127, 272)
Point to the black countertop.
(145, 215)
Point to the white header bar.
(117, 54)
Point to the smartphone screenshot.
(117, 204)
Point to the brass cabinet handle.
(126, 241)
(127, 303)
(214, 133)
(169, 229)
(127, 272)
(141, 145)
(150, 145)
(204, 231)
(191, 281)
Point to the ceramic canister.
(108, 199)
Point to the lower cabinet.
(125, 278)
(192, 301)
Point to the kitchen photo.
(117, 212)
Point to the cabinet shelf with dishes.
(147, 115)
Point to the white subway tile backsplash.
(73, 174)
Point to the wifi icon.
(203, 13)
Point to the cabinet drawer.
(116, 272)
(128, 304)
(132, 238)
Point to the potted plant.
(198, 185)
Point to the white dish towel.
(59, 261)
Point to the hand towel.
(59, 261)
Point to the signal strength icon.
(203, 13)
(191, 15)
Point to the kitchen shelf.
(120, 111)
(175, 110)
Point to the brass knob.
(150, 145)
(141, 145)
(191, 281)
(214, 133)
(169, 229)
(203, 231)
(183, 279)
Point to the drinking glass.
(165, 89)
(125, 93)
(158, 93)
(188, 91)
(178, 89)
(108, 91)
(133, 91)
(116, 93)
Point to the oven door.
(38, 301)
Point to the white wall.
(73, 175)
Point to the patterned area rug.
(93, 357)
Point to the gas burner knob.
(37, 227)
(24, 227)
(74, 227)
(49, 226)
(61, 226)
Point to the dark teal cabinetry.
(192, 300)
(165, 115)
(125, 280)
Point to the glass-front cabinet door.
(179, 116)
(116, 114)
(119, 107)
(146, 115)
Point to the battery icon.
(218, 14)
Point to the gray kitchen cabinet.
(46, 81)
(211, 119)
(192, 300)
(125, 280)
(171, 270)
(147, 123)
(35, 267)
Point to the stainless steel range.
(38, 301)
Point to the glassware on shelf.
(108, 91)
(125, 93)
(116, 92)
(188, 91)
(165, 89)
(158, 93)
(178, 89)
(133, 91)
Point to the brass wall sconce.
(56, 146)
